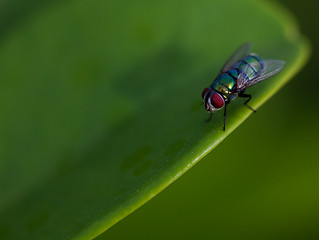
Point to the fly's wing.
(270, 68)
(240, 53)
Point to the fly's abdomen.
(224, 84)
(250, 66)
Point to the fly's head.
(213, 101)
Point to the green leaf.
(101, 107)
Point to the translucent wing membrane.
(270, 68)
(241, 52)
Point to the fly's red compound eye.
(217, 100)
(204, 92)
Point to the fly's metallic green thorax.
(225, 83)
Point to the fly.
(242, 70)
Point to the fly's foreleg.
(224, 127)
(210, 117)
(243, 95)
(225, 109)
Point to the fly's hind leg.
(243, 95)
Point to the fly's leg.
(243, 95)
(226, 103)
(210, 117)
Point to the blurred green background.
(266, 187)
(62, 126)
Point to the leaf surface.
(101, 104)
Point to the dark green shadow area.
(16, 13)
(101, 107)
